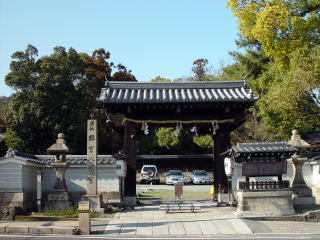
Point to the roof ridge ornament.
(11, 152)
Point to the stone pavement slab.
(223, 226)
(144, 228)
(192, 228)
(147, 222)
(160, 228)
(240, 227)
(207, 227)
(128, 228)
(176, 228)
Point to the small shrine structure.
(211, 107)
(260, 160)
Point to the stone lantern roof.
(297, 142)
(60, 145)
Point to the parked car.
(200, 177)
(174, 176)
(149, 174)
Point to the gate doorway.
(215, 107)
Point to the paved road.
(259, 237)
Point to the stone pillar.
(92, 145)
(59, 198)
(92, 149)
(130, 149)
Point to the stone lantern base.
(302, 195)
(59, 201)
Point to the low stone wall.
(106, 197)
(23, 201)
(265, 203)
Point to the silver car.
(200, 177)
(174, 176)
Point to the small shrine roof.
(264, 151)
(265, 147)
(176, 92)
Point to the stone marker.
(92, 147)
(84, 217)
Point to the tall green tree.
(280, 26)
(57, 93)
(287, 32)
(48, 99)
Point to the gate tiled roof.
(176, 92)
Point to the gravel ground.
(160, 193)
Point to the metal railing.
(264, 185)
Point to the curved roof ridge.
(179, 85)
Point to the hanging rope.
(177, 121)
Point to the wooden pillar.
(130, 149)
(221, 142)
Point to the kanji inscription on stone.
(92, 157)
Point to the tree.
(280, 26)
(123, 74)
(200, 68)
(160, 79)
(287, 33)
(49, 99)
(57, 93)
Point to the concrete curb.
(34, 230)
(312, 216)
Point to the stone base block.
(129, 201)
(17, 229)
(316, 194)
(303, 200)
(301, 190)
(265, 203)
(59, 201)
(84, 223)
(95, 202)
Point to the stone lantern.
(302, 194)
(59, 198)
(121, 171)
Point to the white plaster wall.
(29, 178)
(10, 177)
(76, 179)
(316, 175)
(307, 170)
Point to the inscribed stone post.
(92, 145)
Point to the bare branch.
(306, 11)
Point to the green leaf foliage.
(57, 93)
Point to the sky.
(150, 37)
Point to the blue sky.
(149, 37)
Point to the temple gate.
(213, 107)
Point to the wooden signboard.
(260, 169)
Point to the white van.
(149, 174)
